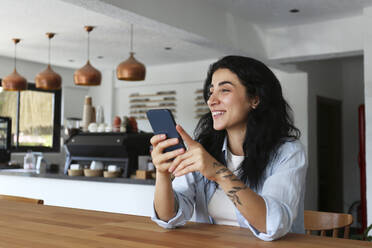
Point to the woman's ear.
(255, 102)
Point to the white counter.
(104, 196)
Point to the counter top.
(33, 173)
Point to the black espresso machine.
(5, 141)
(121, 149)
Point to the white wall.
(103, 94)
(368, 102)
(353, 96)
(295, 91)
(317, 40)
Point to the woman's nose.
(212, 99)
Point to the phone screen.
(162, 122)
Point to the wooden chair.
(322, 221)
(21, 199)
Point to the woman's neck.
(235, 142)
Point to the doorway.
(330, 170)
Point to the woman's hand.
(196, 158)
(162, 161)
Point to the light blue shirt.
(283, 190)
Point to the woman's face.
(228, 101)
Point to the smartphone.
(162, 122)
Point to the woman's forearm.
(164, 201)
(251, 205)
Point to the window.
(36, 118)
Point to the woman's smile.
(217, 113)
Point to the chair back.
(323, 221)
(21, 199)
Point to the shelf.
(201, 108)
(201, 105)
(140, 103)
(151, 107)
(133, 102)
(149, 95)
(144, 112)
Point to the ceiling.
(275, 13)
(29, 20)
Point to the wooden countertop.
(31, 225)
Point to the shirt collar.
(224, 147)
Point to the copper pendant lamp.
(131, 69)
(87, 75)
(14, 81)
(48, 79)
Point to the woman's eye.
(225, 90)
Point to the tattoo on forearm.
(232, 194)
(215, 164)
(230, 175)
(221, 170)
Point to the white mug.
(96, 165)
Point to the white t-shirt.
(220, 207)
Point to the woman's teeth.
(216, 113)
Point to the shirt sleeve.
(282, 191)
(184, 191)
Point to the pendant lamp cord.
(88, 46)
(15, 56)
(49, 52)
(131, 38)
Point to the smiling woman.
(246, 166)
(35, 118)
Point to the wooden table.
(31, 225)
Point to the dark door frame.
(338, 103)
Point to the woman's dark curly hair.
(269, 125)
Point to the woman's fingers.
(184, 163)
(178, 160)
(164, 144)
(156, 139)
(170, 155)
(185, 136)
(186, 170)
